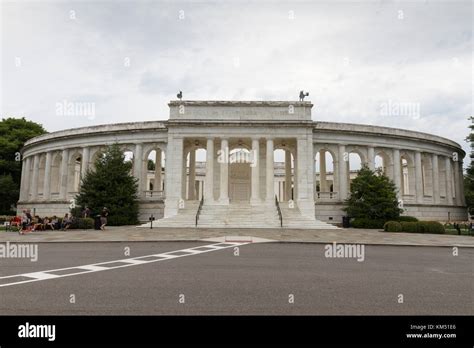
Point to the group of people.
(29, 223)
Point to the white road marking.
(101, 266)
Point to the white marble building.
(239, 173)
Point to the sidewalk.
(134, 234)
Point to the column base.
(255, 201)
(223, 201)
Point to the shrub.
(422, 227)
(82, 223)
(411, 227)
(431, 227)
(392, 226)
(367, 223)
(407, 219)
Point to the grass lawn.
(464, 232)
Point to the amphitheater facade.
(248, 162)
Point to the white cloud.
(350, 56)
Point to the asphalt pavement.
(256, 278)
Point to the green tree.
(150, 165)
(9, 193)
(373, 196)
(111, 185)
(14, 132)
(469, 177)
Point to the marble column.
(458, 182)
(47, 177)
(449, 181)
(157, 183)
(343, 159)
(287, 175)
(173, 174)
(192, 175)
(397, 172)
(34, 179)
(371, 157)
(138, 167)
(209, 180)
(184, 175)
(323, 186)
(255, 168)
(26, 179)
(224, 169)
(418, 178)
(435, 171)
(270, 177)
(64, 174)
(84, 162)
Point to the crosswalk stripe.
(101, 266)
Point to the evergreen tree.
(373, 196)
(111, 185)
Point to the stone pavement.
(134, 234)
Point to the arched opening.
(194, 173)
(99, 153)
(74, 173)
(383, 162)
(129, 157)
(380, 164)
(154, 183)
(325, 175)
(240, 159)
(201, 155)
(354, 164)
(407, 168)
(279, 160)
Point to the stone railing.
(322, 196)
(153, 194)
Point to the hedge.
(414, 227)
(367, 223)
(431, 227)
(82, 223)
(407, 219)
(392, 226)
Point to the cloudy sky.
(360, 61)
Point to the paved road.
(258, 281)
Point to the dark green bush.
(118, 220)
(82, 223)
(407, 219)
(422, 227)
(411, 227)
(392, 226)
(431, 227)
(367, 223)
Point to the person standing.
(103, 218)
(86, 212)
